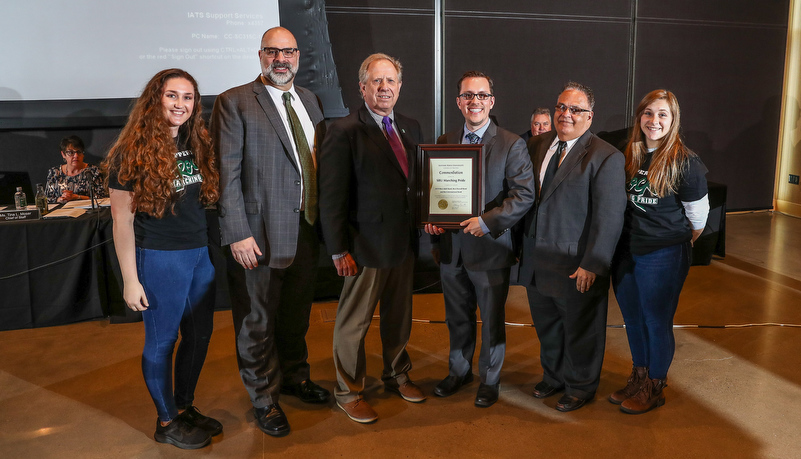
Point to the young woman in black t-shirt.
(666, 212)
(162, 173)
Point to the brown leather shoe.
(407, 390)
(359, 411)
(647, 398)
(638, 375)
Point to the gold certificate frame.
(448, 184)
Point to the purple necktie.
(396, 145)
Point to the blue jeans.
(647, 288)
(179, 285)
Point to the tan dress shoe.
(359, 411)
(407, 390)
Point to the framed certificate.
(448, 184)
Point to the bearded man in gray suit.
(265, 132)
(475, 261)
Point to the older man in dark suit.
(366, 172)
(570, 237)
(475, 262)
(265, 133)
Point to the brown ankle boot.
(638, 375)
(649, 397)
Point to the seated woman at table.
(74, 179)
(161, 174)
(666, 212)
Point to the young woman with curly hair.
(161, 175)
(666, 212)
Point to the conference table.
(56, 271)
(60, 271)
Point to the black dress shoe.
(272, 420)
(307, 391)
(451, 384)
(487, 395)
(569, 403)
(545, 390)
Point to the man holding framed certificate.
(475, 260)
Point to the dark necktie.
(472, 137)
(396, 145)
(553, 165)
(306, 161)
(550, 171)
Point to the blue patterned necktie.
(473, 138)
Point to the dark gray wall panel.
(407, 36)
(378, 6)
(728, 80)
(591, 9)
(743, 11)
(530, 60)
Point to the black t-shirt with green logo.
(654, 223)
(183, 229)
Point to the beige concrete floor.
(76, 391)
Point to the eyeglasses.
(273, 52)
(572, 109)
(73, 152)
(468, 96)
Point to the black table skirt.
(54, 271)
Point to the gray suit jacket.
(508, 193)
(259, 178)
(577, 220)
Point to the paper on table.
(87, 204)
(65, 213)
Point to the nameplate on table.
(13, 215)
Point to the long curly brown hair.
(144, 153)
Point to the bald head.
(275, 31)
(279, 57)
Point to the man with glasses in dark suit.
(570, 237)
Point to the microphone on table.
(89, 178)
